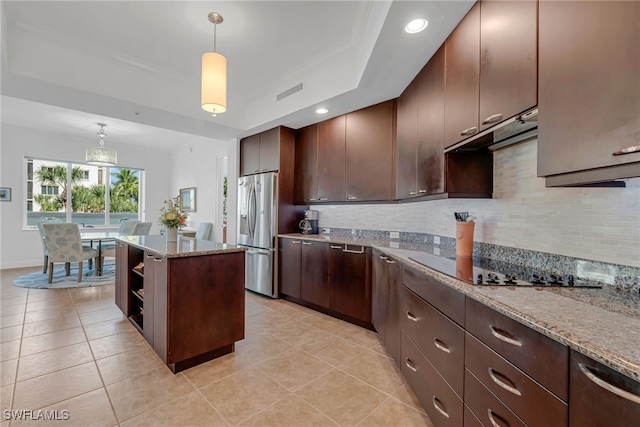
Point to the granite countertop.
(603, 324)
(184, 247)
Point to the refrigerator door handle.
(252, 216)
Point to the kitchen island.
(186, 298)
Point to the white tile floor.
(72, 350)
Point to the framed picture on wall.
(188, 198)
(5, 194)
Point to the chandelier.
(101, 155)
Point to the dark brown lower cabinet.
(350, 281)
(314, 273)
(442, 404)
(600, 396)
(485, 407)
(289, 266)
(386, 285)
(189, 309)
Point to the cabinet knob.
(492, 119)
(469, 131)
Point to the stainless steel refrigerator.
(257, 229)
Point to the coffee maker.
(309, 225)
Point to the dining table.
(92, 236)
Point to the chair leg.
(99, 265)
(90, 263)
(80, 272)
(44, 266)
(50, 272)
(67, 268)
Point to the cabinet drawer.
(542, 358)
(529, 400)
(485, 406)
(470, 420)
(446, 299)
(437, 338)
(441, 403)
(600, 396)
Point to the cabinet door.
(379, 295)
(250, 155)
(407, 141)
(122, 277)
(508, 59)
(350, 281)
(314, 280)
(289, 271)
(430, 153)
(331, 160)
(600, 396)
(462, 79)
(589, 63)
(393, 335)
(369, 154)
(306, 167)
(270, 150)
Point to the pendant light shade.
(101, 155)
(214, 83)
(214, 75)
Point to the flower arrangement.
(172, 215)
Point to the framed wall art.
(5, 194)
(188, 198)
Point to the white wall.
(601, 224)
(21, 247)
(196, 165)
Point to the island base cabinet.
(441, 403)
(600, 396)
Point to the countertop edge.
(181, 254)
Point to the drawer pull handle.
(412, 193)
(438, 405)
(502, 337)
(383, 257)
(323, 199)
(411, 316)
(349, 251)
(441, 346)
(295, 242)
(312, 199)
(352, 198)
(627, 150)
(504, 385)
(409, 364)
(422, 191)
(469, 131)
(390, 261)
(492, 119)
(336, 247)
(493, 421)
(149, 255)
(307, 243)
(607, 386)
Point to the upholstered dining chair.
(138, 229)
(204, 231)
(141, 229)
(65, 245)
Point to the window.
(78, 193)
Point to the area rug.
(38, 280)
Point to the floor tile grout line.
(207, 400)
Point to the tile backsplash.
(601, 224)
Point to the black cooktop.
(491, 272)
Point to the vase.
(172, 234)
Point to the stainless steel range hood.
(517, 129)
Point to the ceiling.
(135, 65)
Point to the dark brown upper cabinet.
(491, 62)
(462, 81)
(306, 166)
(331, 159)
(589, 91)
(422, 167)
(260, 153)
(370, 139)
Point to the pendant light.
(214, 75)
(101, 155)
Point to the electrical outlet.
(436, 240)
(394, 245)
(394, 234)
(436, 251)
(326, 230)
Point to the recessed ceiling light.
(416, 25)
(322, 111)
